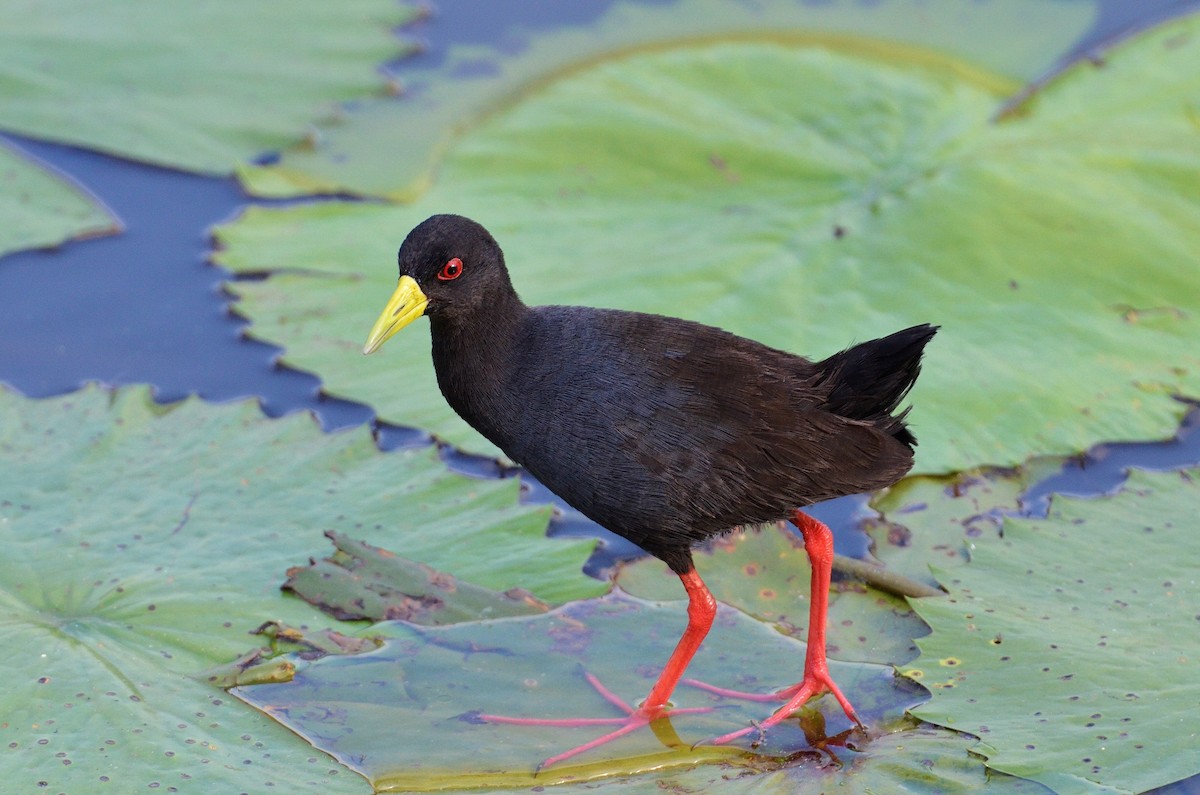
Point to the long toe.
(632, 720)
(629, 724)
(813, 684)
(741, 695)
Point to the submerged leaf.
(1069, 646)
(809, 196)
(364, 582)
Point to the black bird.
(662, 430)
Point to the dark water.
(146, 307)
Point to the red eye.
(451, 270)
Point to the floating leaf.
(1069, 646)
(197, 86)
(142, 543)
(448, 97)
(364, 582)
(864, 192)
(397, 715)
(922, 522)
(934, 522)
(39, 208)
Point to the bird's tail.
(870, 379)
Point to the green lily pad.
(865, 192)
(766, 573)
(472, 81)
(402, 716)
(1069, 646)
(39, 208)
(934, 522)
(197, 86)
(921, 523)
(360, 581)
(143, 543)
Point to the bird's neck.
(475, 356)
(484, 331)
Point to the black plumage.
(662, 430)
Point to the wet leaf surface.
(360, 581)
(196, 86)
(878, 196)
(397, 715)
(144, 543)
(1069, 645)
(906, 760)
(919, 761)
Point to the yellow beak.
(406, 305)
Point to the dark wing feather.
(672, 431)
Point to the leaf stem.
(882, 578)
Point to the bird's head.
(449, 265)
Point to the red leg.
(702, 609)
(818, 542)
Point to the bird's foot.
(633, 719)
(814, 683)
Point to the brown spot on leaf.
(899, 535)
(408, 608)
(719, 163)
(1176, 41)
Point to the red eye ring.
(451, 270)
